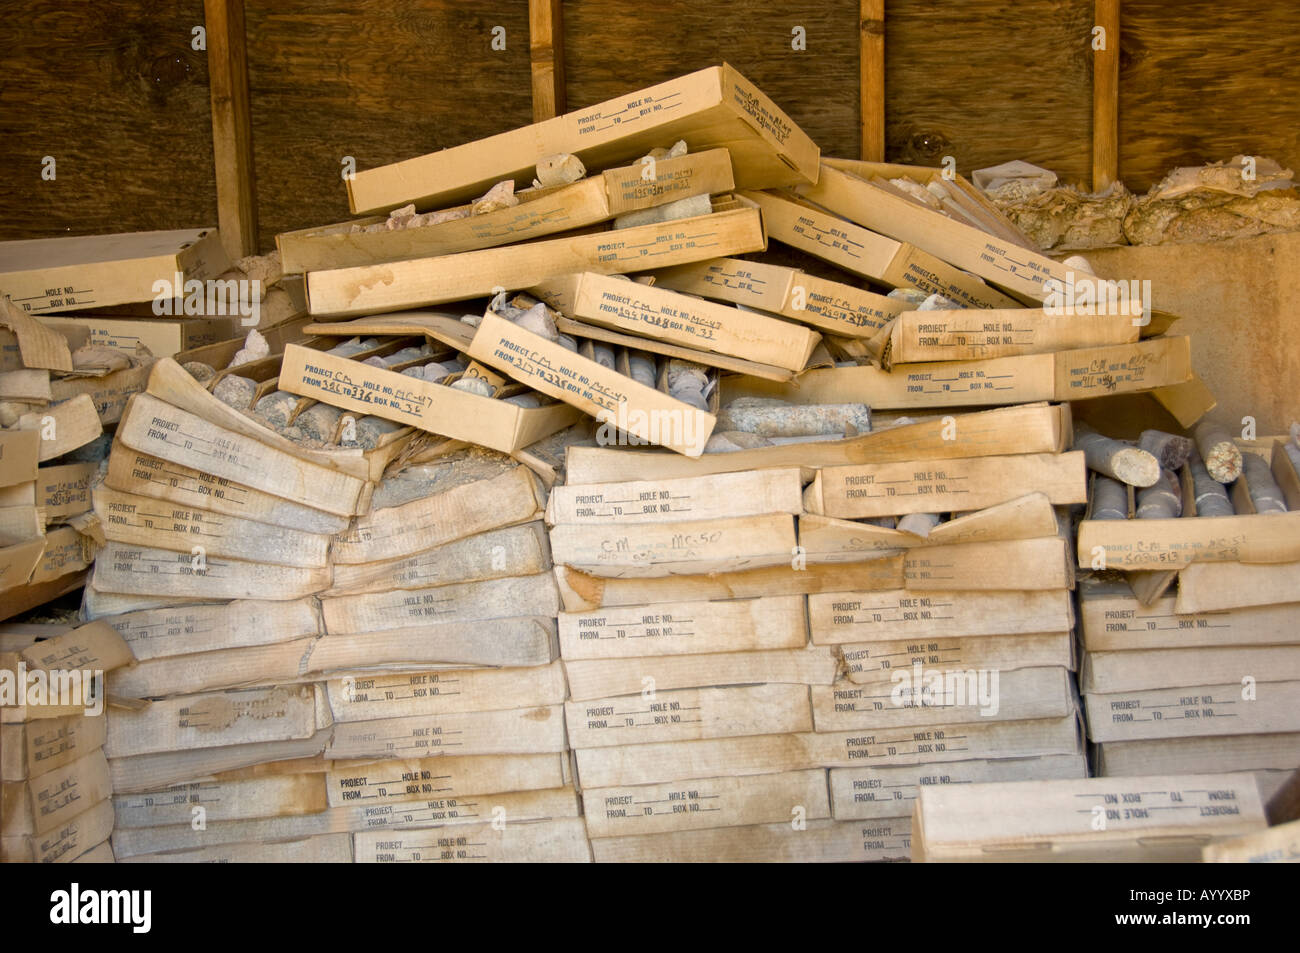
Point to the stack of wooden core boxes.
(339, 662)
(727, 641)
(54, 778)
(1191, 657)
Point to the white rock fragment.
(1014, 180)
(442, 215)
(399, 217)
(919, 524)
(255, 348)
(538, 320)
(559, 169)
(931, 195)
(678, 149)
(261, 268)
(501, 195)
(406, 217)
(682, 208)
(475, 385)
(438, 217)
(500, 305)
(910, 295)
(937, 302)
(1078, 263)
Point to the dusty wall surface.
(115, 91)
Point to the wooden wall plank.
(546, 45)
(611, 49)
(986, 82)
(232, 142)
(871, 95)
(114, 91)
(1204, 83)
(381, 82)
(1105, 94)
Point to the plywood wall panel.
(615, 48)
(380, 81)
(1202, 80)
(986, 82)
(115, 93)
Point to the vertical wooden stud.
(232, 134)
(871, 23)
(1105, 94)
(546, 47)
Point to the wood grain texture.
(546, 46)
(871, 94)
(616, 48)
(1105, 94)
(986, 82)
(232, 144)
(115, 93)
(1206, 83)
(380, 81)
